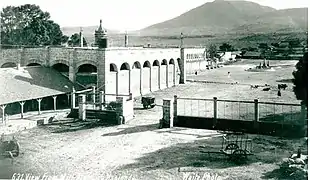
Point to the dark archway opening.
(8, 65)
(62, 68)
(33, 64)
(87, 75)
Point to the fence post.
(303, 119)
(73, 99)
(101, 97)
(120, 110)
(82, 107)
(214, 111)
(167, 121)
(303, 113)
(3, 112)
(175, 109)
(94, 96)
(256, 113)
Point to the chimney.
(81, 37)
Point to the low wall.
(107, 116)
(266, 128)
(128, 109)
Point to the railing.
(240, 110)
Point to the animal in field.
(266, 89)
(254, 86)
(282, 86)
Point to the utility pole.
(81, 37)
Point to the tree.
(300, 80)
(28, 25)
(212, 51)
(226, 47)
(75, 40)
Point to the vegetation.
(75, 40)
(29, 25)
(212, 51)
(301, 80)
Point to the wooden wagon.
(237, 146)
(9, 148)
(148, 102)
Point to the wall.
(147, 67)
(195, 59)
(267, 128)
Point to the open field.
(240, 81)
(139, 150)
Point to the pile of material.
(296, 166)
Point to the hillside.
(221, 17)
(287, 20)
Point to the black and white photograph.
(154, 90)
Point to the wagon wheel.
(153, 105)
(239, 156)
(145, 105)
(231, 146)
(15, 149)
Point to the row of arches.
(138, 78)
(12, 65)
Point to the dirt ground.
(139, 150)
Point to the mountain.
(287, 20)
(221, 17)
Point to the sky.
(126, 14)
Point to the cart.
(148, 102)
(236, 145)
(9, 148)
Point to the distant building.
(251, 55)
(229, 56)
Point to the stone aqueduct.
(119, 70)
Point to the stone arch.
(146, 77)
(146, 64)
(86, 74)
(136, 65)
(93, 63)
(136, 81)
(156, 63)
(125, 66)
(87, 67)
(164, 62)
(171, 61)
(113, 67)
(60, 61)
(35, 62)
(124, 79)
(61, 67)
(8, 65)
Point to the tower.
(101, 39)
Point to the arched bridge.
(115, 70)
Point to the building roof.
(32, 82)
